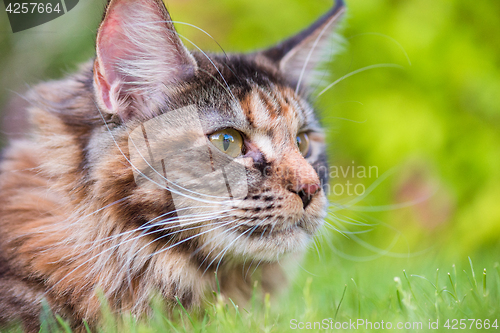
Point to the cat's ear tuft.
(298, 57)
(139, 57)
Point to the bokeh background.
(426, 117)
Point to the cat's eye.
(228, 140)
(303, 143)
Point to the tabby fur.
(73, 221)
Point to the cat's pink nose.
(301, 177)
(306, 192)
(311, 189)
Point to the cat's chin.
(268, 239)
(272, 246)
(267, 243)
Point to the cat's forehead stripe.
(269, 102)
(267, 109)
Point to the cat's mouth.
(269, 229)
(270, 240)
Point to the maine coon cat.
(154, 167)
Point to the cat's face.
(221, 154)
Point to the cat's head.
(222, 154)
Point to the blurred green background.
(430, 127)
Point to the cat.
(154, 167)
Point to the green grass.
(422, 294)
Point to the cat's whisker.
(203, 225)
(259, 223)
(357, 222)
(260, 238)
(133, 253)
(71, 225)
(315, 243)
(229, 245)
(351, 206)
(177, 185)
(262, 234)
(345, 232)
(216, 80)
(189, 238)
(347, 220)
(152, 23)
(257, 266)
(334, 228)
(149, 224)
(249, 267)
(200, 29)
(378, 252)
(216, 68)
(101, 209)
(363, 69)
(187, 217)
(107, 250)
(209, 241)
(298, 263)
(338, 224)
(214, 246)
(401, 205)
(224, 250)
(272, 228)
(140, 172)
(149, 227)
(370, 189)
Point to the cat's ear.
(139, 57)
(299, 56)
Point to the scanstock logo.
(26, 14)
(172, 152)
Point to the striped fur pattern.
(73, 222)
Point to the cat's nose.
(306, 192)
(300, 176)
